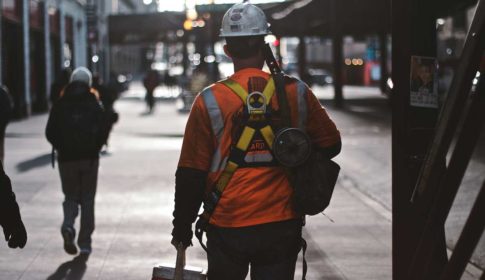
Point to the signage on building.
(148, 27)
(424, 82)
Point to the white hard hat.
(82, 74)
(244, 19)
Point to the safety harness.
(256, 114)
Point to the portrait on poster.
(424, 82)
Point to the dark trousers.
(79, 179)
(270, 249)
(150, 99)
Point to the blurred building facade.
(41, 37)
(106, 60)
(38, 39)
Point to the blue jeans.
(79, 180)
(270, 249)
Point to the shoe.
(68, 235)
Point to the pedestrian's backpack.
(80, 126)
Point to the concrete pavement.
(135, 200)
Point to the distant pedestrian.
(10, 219)
(150, 82)
(108, 97)
(59, 84)
(77, 130)
(6, 109)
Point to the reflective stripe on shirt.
(302, 104)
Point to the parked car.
(320, 77)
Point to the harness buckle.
(256, 103)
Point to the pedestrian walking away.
(77, 129)
(227, 160)
(150, 82)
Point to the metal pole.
(450, 115)
(469, 239)
(467, 140)
(384, 71)
(337, 54)
(302, 65)
(413, 34)
(185, 54)
(47, 53)
(26, 57)
(62, 33)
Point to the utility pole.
(26, 103)
(337, 53)
(383, 61)
(413, 34)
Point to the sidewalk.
(135, 201)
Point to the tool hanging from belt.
(257, 112)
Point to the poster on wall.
(424, 82)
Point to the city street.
(134, 201)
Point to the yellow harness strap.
(268, 91)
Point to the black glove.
(189, 190)
(182, 234)
(15, 233)
(10, 220)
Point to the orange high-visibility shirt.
(254, 195)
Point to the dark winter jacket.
(6, 107)
(77, 99)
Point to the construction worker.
(253, 222)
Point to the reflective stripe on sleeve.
(214, 113)
(217, 124)
(302, 104)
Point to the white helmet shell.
(244, 19)
(82, 74)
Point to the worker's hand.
(13, 227)
(10, 219)
(15, 234)
(182, 235)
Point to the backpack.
(80, 126)
(313, 183)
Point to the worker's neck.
(254, 62)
